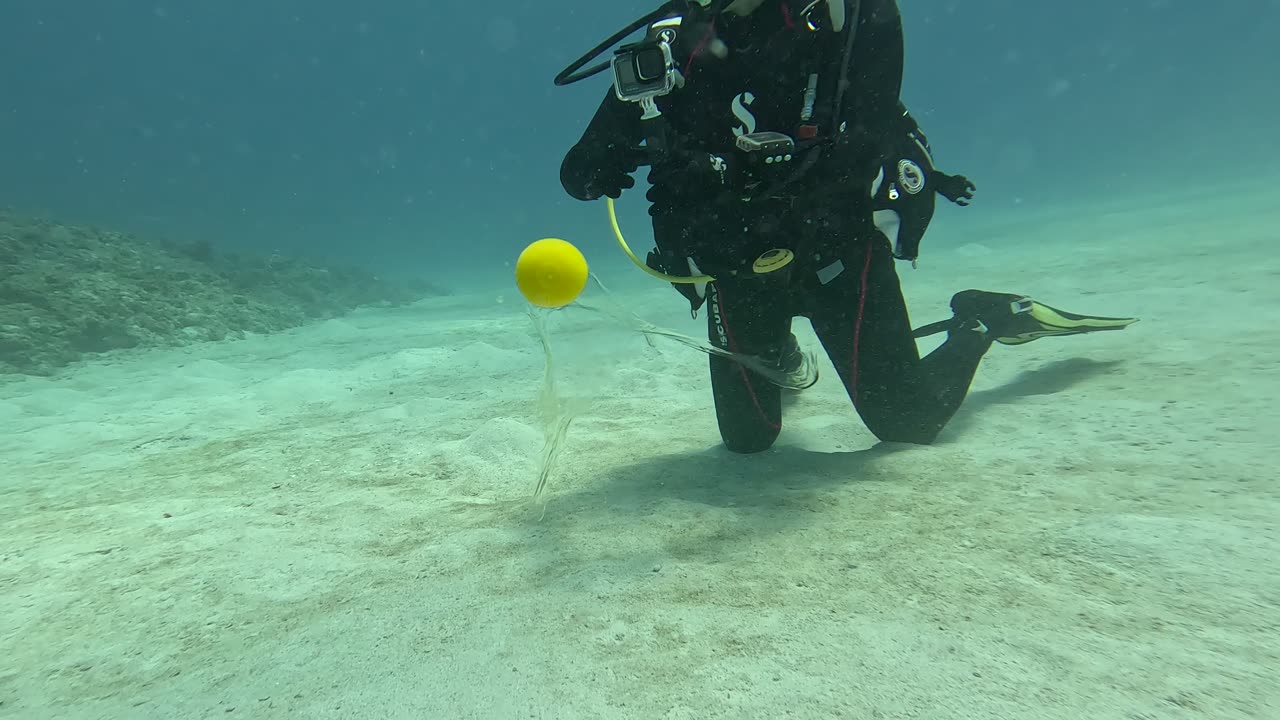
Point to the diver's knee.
(892, 427)
(746, 443)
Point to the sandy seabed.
(336, 522)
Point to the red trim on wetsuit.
(702, 45)
(746, 379)
(786, 17)
(857, 328)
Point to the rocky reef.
(68, 292)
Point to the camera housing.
(644, 70)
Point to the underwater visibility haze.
(297, 419)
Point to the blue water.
(429, 135)
(335, 521)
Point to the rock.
(68, 292)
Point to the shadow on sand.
(710, 504)
(1051, 379)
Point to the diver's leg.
(861, 319)
(752, 318)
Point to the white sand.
(334, 522)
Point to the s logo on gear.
(910, 177)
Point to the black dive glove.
(591, 173)
(956, 188)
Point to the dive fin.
(1016, 319)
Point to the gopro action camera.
(644, 70)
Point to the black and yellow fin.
(1016, 319)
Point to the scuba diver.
(773, 132)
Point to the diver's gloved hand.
(956, 188)
(589, 173)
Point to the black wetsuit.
(707, 208)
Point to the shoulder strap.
(831, 65)
(845, 58)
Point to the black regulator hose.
(573, 73)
